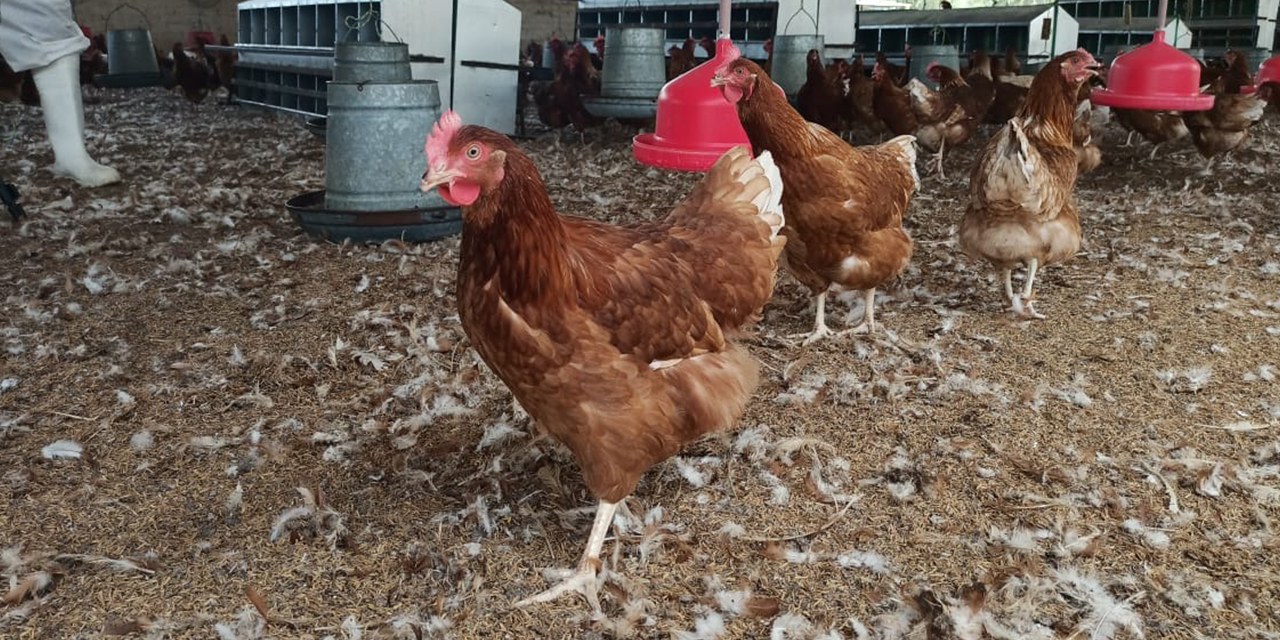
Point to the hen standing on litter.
(615, 339)
(1022, 202)
(844, 204)
(946, 117)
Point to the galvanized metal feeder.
(695, 124)
(1154, 77)
(791, 60)
(633, 76)
(131, 57)
(373, 152)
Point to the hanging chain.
(808, 15)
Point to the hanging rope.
(808, 15)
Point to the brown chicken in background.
(899, 75)
(1088, 153)
(820, 99)
(1156, 127)
(1237, 76)
(16, 86)
(618, 341)
(190, 74)
(1009, 91)
(768, 52)
(93, 61)
(844, 204)
(587, 73)
(945, 118)
(982, 82)
(1022, 207)
(891, 104)
(681, 60)
(1012, 66)
(1225, 127)
(559, 102)
(860, 97)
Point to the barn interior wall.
(168, 20)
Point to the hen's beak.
(434, 178)
(1094, 68)
(719, 80)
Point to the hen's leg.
(868, 324)
(1022, 303)
(583, 579)
(820, 329)
(942, 152)
(1129, 140)
(1154, 149)
(1008, 285)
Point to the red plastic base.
(1106, 98)
(1269, 71)
(1154, 77)
(695, 124)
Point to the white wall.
(1067, 37)
(489, 31)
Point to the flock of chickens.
(619, 340)
(196, 73)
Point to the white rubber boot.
(59, 86)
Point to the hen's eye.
(739, 71)
(473, 152)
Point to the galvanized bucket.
(924, 55)
(371, 62)
(635, 65)
(791, 60)
(130, 51)
(634, 74)
(374, 139)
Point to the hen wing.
(670, 290)
(1014, 177)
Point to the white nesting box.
(478, 71)
(286, 52)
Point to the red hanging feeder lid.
(695, 124)
(1268, 72)
(1155, 77)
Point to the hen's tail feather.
(906, 148)
(769, 201)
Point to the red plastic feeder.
(1268, 72)
(695, 124)
(1154, 77)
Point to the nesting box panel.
(286, 51)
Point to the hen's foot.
(1024, 309)
(822, 332)
(581, 581)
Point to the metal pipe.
(1164, 6)
(724, 18)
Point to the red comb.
(441, 134)
(732, 54)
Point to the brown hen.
(616, 340)
(844, 204)
(1021, 193)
